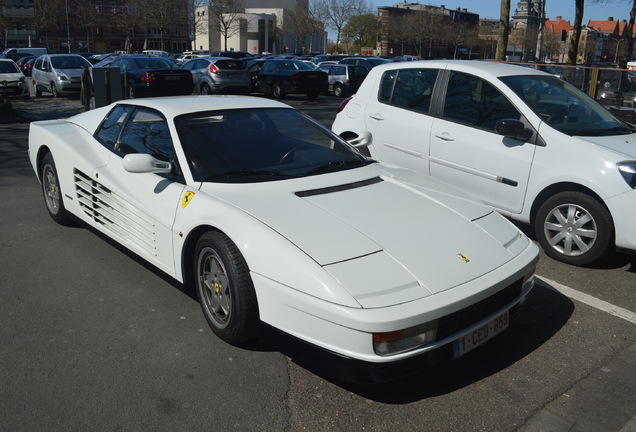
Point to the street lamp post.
(618, 44)
(68, 30)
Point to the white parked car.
(273, 219)
(13, 83)
(528, 144)
(59, 74)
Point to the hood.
(10, 77)
(71, 73)
(624, 144)
(358, 216)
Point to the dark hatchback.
(279, 77)
(147, 76)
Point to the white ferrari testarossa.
(274, 219)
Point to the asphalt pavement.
(92, 338)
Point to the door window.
(147, 132)
(411, 89)
(475, 102)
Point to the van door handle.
(445, 136)
(376, 116)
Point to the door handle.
(376, 116)
(445, 136)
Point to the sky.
(619, 9)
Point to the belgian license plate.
(480, 335)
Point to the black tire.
(574, 228)
(38, 92)
(225, 290)
(277, 91)
(338, 91)
(205, 89)
(54, 91)
(52, 191)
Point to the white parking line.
(589, 300)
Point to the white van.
(157, 53)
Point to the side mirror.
(145, 163)
(513, 129)
(362, 140)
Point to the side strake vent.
(339, 188)
(113, 213)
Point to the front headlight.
(62, 77)
(628, 171)
(395, 342)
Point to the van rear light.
(148, 77)
(344, 104)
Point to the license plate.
(172, 78)
(6, 90)
(480, 335)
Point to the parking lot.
(93, 338)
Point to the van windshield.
(564, 107)
(69, 62)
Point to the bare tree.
(225, 19)
(85, 13)
(504, 29)
(127, 19)
(551, 44)
(337, 13)
(361, 30)
(47, 15)
(424, 27)
(573, 48)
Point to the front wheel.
(56, 94)
(52, 192)
(225, 289)
(574, 228)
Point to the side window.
(337, 70)
(108, 132)
(386, 86)
(147, 132)
(411, 89)
(475, 102)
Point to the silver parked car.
(219, 75)
(59, 74)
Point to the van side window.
(475, 102)
(411, 89)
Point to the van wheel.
(574, 228)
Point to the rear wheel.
(52, 192)
(338, 91)
(277, 91)
(225, 289)
(205, 89)
(574, 228)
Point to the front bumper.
(347, 332)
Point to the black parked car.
(144, 76)
(279, 77)
(23, 64)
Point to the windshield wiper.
(338, 165)
(245, 173)
(618, 130)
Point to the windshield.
(152, 63)
(70, 62)
(8, 67)
(294, 65)
(564, 107)
(255, 145)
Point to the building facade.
(97, 26)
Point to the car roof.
(178, 105)
(486, 69)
